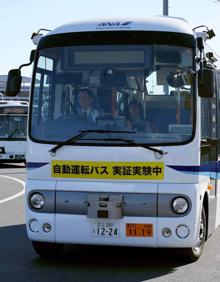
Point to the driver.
(86, 109)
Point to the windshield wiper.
(83, 133)
(132, 142)
(15, 131)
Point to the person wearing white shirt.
(86, 109)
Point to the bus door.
(209, 151)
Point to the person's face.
(134, 110)
(84, 100)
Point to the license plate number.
(19, 157)
(139, 230)
(104, 229)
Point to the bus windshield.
(144, 89)
(13, 127)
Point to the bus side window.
(205, 118)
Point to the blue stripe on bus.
(35, 165)
(211, 167)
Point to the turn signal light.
(210, 187)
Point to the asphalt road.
(18, 262)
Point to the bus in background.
(149, 179)
(13, 130)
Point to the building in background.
(25, 86)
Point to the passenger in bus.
(86, 108)
(135, 118)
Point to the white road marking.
(15, 195)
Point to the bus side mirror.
(206, 84)
(13, 85)
(32, 55)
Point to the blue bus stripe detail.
(35, 165)
(211, 167)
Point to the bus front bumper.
(129, 231)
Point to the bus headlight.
(37, 201)
(180, 205)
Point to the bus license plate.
(19, 157)
(104, 229)
(139, 230)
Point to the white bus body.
(118, 183)
(13, 130)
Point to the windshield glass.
(13, 127)
(146, 89)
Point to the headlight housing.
(180, 205)
(37, 201)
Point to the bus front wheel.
(47, 249)
(193, 254)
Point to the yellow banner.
(108, 170)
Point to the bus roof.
(157, 23)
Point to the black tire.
(47, 249)
(193, 254)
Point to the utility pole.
(165, 7)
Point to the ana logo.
(114, 25)
(105, 24)
(126, 23)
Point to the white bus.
(116, 180)
(13, 130)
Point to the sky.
(20, 18)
